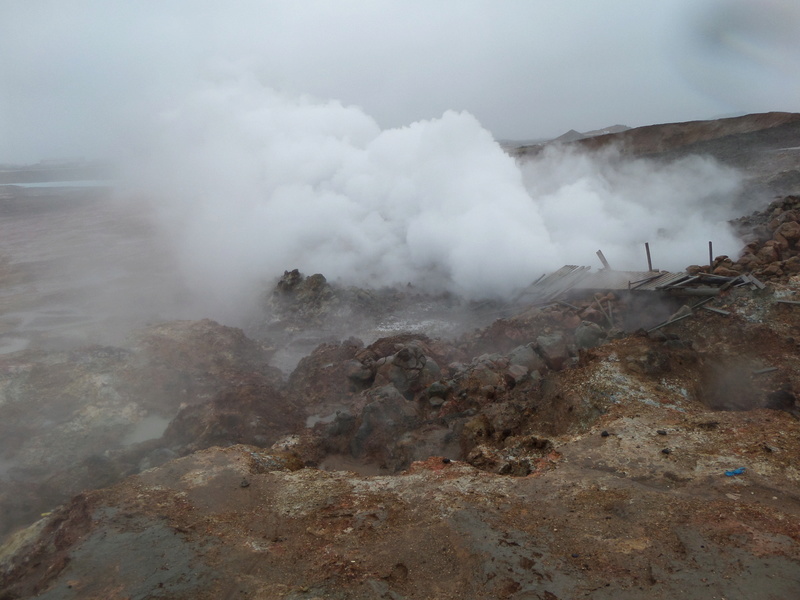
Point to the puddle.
(339, 462)
(314, 419)
(149, 428)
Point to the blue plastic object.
(738, 471)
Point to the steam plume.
(251, 181)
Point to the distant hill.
(606, 130)
(765, 146)
(570, 136)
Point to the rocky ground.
(575, 449)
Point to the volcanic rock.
(553, 348)
(589, 335)
(384, 419)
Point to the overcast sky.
(76, 76)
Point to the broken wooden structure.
(571, 279)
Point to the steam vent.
(616, 431)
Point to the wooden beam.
(603, 260)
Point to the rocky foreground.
(605, 444)
(545, 456)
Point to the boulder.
(791, 265)
(726, 271)
(553, 349)
(589, 335)
(409, 370)
(437, 390)
(253, 412)
(771, 270)
(331, 374)
(383, 421)
(527, 357)
(768, 254)
(789, 230)
(515, 374)
(476, 432)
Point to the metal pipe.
(649, 262)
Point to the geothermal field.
(339, 361)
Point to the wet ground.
(77, 270)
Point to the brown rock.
(593, 315)
(792, 215)
(324, 376)
(727, 271)
(516, 373)
(553, 349)
(477, 431)
(768, 254)
(252, 412)
(790, 230)
(791, 265)
(722, 261)
(409, 370)
(782, 241)
(771, 270)
(747, 262)
(571, 320)
(383, 421)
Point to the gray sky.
(76, 77)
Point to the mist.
(248, 181)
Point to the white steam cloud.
(250, 182)
(613, 203)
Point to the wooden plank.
(603, 310)
(700, 291)
(756, 282)
(603, 260)
(665, 323)
(702, 302)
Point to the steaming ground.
(238, 182)
(249, 181)
(78, 270)
(81, 270)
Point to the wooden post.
(603, 260)
(649, 262)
